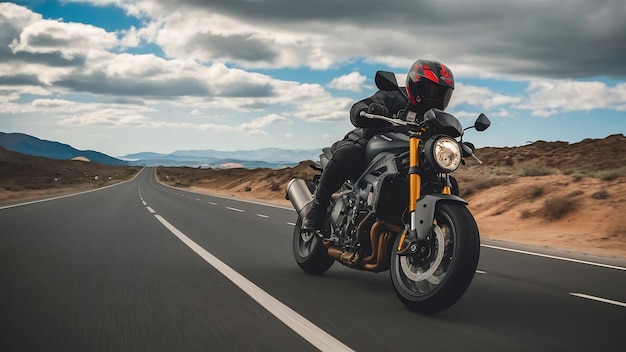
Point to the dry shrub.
(600, 195)
(610, 175)
(525, 214)
(275, 187)
(575, 193)
(536, 192)
(468, 186)
(603, 174)
(534, 169)
(556, 207)
(490, 181)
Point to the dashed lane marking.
(235, 209)
(599, 299)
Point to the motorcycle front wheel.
(435, 280)
(309, 252)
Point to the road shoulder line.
(300, 325)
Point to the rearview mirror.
(386, 81)
(482, 122)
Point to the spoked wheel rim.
(420, 277)
(307, 243)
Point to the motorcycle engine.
(339, 211)
(343, 218)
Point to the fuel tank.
(392, 142)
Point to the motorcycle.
(403, 214)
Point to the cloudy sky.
(126, 76)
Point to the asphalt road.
(145, 267)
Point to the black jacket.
(394, 101)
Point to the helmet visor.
(436, 95)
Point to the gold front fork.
(415, 182)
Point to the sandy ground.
(515, 213)
(595, 226)
(16, 197)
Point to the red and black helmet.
(429, 83)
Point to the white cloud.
(352, 81)
(69, 39)
(549, 97)
(480, 96)
(17, 16)
(90, 67)
(107, 117)
(544, 98)
(261, 122)
(85, 76)
(256, 133)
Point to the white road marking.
(291, 223)
(555, 257)
(144, 203)
(599, 299)
(480, 272)
(151, 210)
(212, 203)
(235, 209)
(309, 331)
(262, 216)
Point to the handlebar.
(396, 122)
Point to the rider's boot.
(315, 218)
(346, 160)
(330, 181)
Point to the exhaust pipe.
(299, 195)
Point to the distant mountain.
(270, 155)
(273, 158)
(29, 145)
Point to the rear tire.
(433, 285)
(309, 252)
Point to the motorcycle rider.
(429, 84)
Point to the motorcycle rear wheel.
(433, 285)
(309, 252)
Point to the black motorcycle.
(403, 213)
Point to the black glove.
(378, 109)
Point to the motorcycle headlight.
(444, 152)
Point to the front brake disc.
(417, 273)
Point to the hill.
(271, 158)
(29, 145)
(27, 177)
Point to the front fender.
(425, 212)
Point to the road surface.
(141, 266)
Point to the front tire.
(432, 284)
(309, 252)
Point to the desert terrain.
(555, 195)
(24, 177)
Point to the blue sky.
(126, 76)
